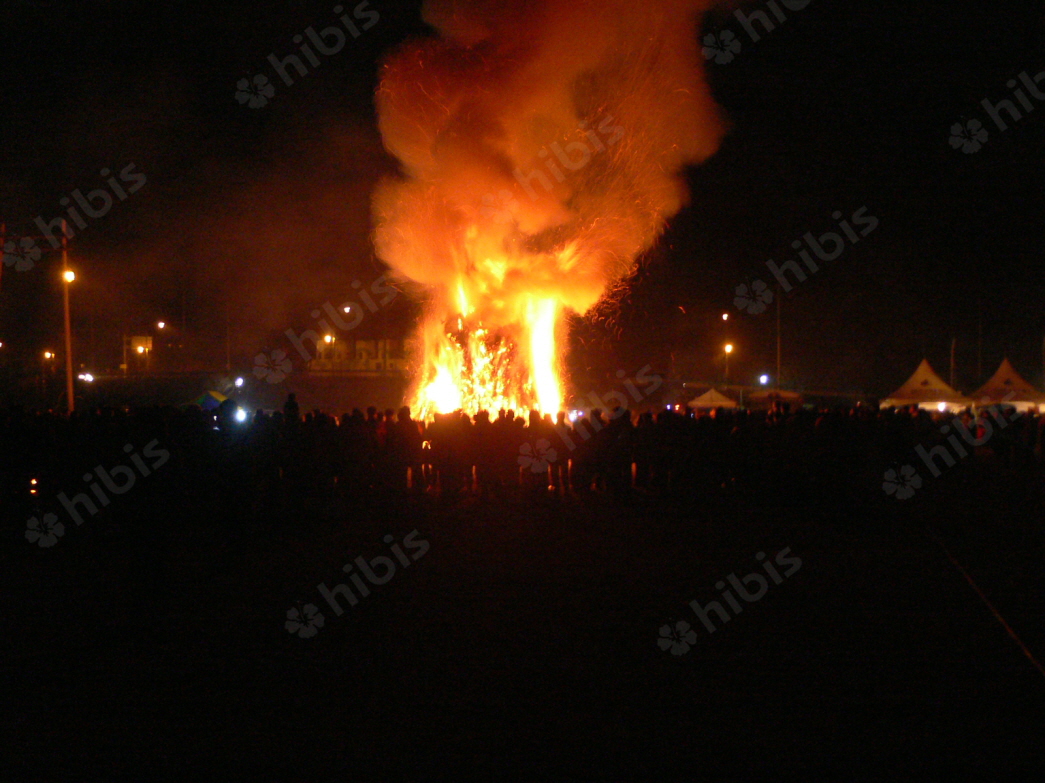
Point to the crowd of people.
(286, 456)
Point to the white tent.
(712, 399)
(1006, 386)
(927, 390)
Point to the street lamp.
(68, 276)
(725, 316)
(729, 350)
(161, 324)
(763, 379)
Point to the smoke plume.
(542, 146)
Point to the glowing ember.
(541, 145)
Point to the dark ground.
(149, 644)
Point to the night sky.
(262, 214)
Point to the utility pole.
(779, 296)
(954, 344)
(979, 350)
(67, 280)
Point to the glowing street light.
(729, 350)
(763, 379)
(328, 339)
(141, 349)
(68, 276)
(348, 309)
(725, 316)
(48, 355)
(239, 383)
(161, 324)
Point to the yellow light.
(161, 324)
(729, 348)
(68, 275)
(328, 339)
(725, 316)
(141, 349)
(542, 353)
(48, 355)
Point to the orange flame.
(541, 144)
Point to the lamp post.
(68, 276)
(729, 350)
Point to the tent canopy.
(775, 395)
(712, 398)
(1007, 386)
(926, 389)
(209, 400)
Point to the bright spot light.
(941, 407)
(82, 377)
(348, 309)
(725, 316)
(328, 339)
(241, 415)
(161, 324)
(68, 275)
(763, 379)
(239, 382)
(34, 482)
(88, 377)
(573, 416)
(729, 348)
(141, 349)
(48, 355)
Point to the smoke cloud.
(542, 146)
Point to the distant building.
(346, 356)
